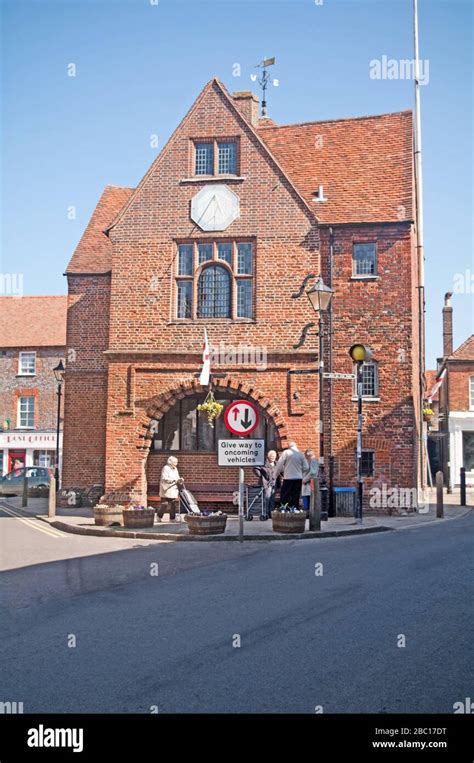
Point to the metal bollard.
(24, 498)
(463, 486)
(439, 495)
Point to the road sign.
(241, 452)
(339, 376)
(241, 417)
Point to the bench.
(205, 492)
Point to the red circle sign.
(241, 417)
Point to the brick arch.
(161, 404)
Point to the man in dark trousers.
(293, 466)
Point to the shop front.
(19, 449)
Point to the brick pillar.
(447, 325)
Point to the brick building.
(453, 445)
(222, 232)
(33, 340)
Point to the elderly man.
(293, 466)
(169, 493)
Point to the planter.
(108, 515)
(199, 525)
(139, 519)
(285, 522)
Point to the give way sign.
(241, 417)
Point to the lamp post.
(320, 297)
(59, 375)
(359, 354)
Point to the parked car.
(38, 480)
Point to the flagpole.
(420, 246)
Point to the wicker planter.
(108, 515)
(199, 525)
(138, 519)
(285, 522)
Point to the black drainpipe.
(331, 511)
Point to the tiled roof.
(465, 351)
(364, 165)
(33, 321)
(93, 253)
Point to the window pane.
(206, 433)
(364, 259)
(244, 259)
(214, 293)
(204, 158)
(367, 463)
(189, 424)
(369, 384)
(27, 412)
(227, 159)
(471, 392)
(244, 298)
(185, 299)
(224, 252)
(205, 252)
(185, 260)
(468, 450)
(171, 429)
(27, 363)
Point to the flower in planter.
(285, 508)
(138, 507)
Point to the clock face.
(215, 207)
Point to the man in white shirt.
(293, 466)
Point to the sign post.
(241, 504)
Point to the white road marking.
(34, 524)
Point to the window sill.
(200, 321)
(26, 429)
(30, 376)
(213, 178)
(354, 399)
(364, 278)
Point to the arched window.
(213, 299)
(184, 428)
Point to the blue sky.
(140, 65)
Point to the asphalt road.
(169, 641)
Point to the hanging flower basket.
(211, 408)
(428, 414)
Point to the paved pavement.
(81, 521)
(101, 632)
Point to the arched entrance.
(177, 428)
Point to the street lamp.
(320, 297)
(59, 376)
(359, 353)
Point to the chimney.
(447, 325)
(247, 103)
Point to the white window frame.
(19, 424)
(21, 357)
(375, 396)
(471, 393)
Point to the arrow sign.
(241, 417)
(246, 422)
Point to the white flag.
(206, 362)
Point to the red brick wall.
(151, 354)
(86, 381)
(458, 385)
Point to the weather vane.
(263, 81)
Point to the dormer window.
(215, 157)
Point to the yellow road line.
(34, 524)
